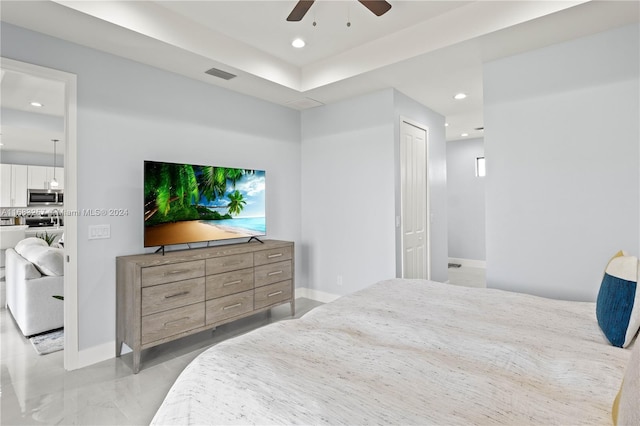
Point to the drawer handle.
(176, 271)
(270, 274)
(231, 306)
(271, 256)
(274, 293)
(182, 293)
(232, 283)
(175, 321)
(237, 262)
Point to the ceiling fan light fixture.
(298, 43)
(377, 7)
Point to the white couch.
(34, 273)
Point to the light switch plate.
(97, 232)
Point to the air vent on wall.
(220, 74)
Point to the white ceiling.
(25, 127)
(428, 50)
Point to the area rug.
(48, 342)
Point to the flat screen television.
(187, 203)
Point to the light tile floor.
(35, 389)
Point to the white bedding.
(410, 352)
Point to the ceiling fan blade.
(378, 7)
(300, 9)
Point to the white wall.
(347, 193)
(350, 190)
(129, 112)
(31, 158)
(466, 200)
(562, 146)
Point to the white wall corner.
(96, 354)
(317, 295)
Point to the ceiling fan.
(378, 7)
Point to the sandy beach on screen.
(190, 231)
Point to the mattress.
(409, 352)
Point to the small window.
(481, 170)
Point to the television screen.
(186, 203)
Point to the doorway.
(70, 198)
(414, 201)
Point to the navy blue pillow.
(618, 303)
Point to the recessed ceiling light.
(446, 124)
(36, 104)
(459, 96)
(464, 135)
(298, 43)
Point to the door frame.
(70, 201)
(428, 196)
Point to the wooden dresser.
(161, 298)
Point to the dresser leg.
(119, 347)
(136, 362)
(293, 307)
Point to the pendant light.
(54, 182)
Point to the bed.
(410, 352)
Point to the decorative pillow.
(28, 242)
(618, 303)
(48, 260)
(626, 409)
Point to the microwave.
(45, 197)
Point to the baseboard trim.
(317, 295)
(472, 263)
(96, 354)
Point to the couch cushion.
(48, 260)
(15, 261)
(29, 242)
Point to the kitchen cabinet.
(13, 185)
(40, 177)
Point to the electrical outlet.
(97, 232)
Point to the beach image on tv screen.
(187, 203)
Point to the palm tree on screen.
(236, 202)
(168, 183)
(214, 180)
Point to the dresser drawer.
(273, 255)
(229, 306)
(169, 323)
(272, 294)
(163, 297)
(229, 283)
(272, 273)
(153, 275)
(234, 262)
